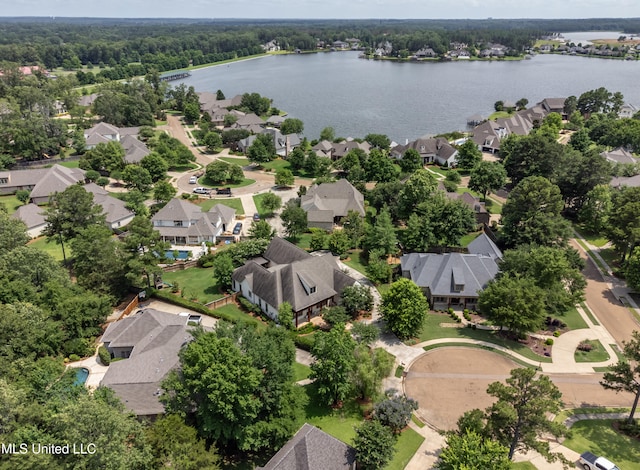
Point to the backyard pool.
(182, 254)
(81, 376)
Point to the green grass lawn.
(589, 313)
(52, 248)
(261, 210)
(595, 239)
(242, 161)
(437, 169)
(233, 311)
(407, 445)
(303, 241)
(431, 329)
(183, 168)
(595, 259)
(339, 423)
(277, 164)
(597, 354)
(468, 238)
(204, 181)
(357, 261)
(599, 437)
(300, 371)
(67, 164)
(610, 257)
(492, 206)
(10, 202)
(234, 203)
(573, 320)
(564, 414)
(523, 466)
(198, 282)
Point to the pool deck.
(96, 371)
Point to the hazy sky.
(324, 8)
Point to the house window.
(4, 180)
(312, 290)
(458, 287)
(177, 223)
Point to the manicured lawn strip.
(573, 319)
(407, 445)
(340, 423)
(595, 259)
(10, 202)
(610, 257)
(261, 210)
(598, 437)
(232, 312)
(357, 261)
(499, 114)
(69, 164)
(300, 371)
(275, 165)
(468, 238)
(564, 414)
(437, 169)
(303, 241)
(477, 346)
(52, 248)
(431, 329)
(382, 288)
(523, 466)
(183, 168)
(589, 313)
(597, 354)
(417, 421)
(595, 239)
(242, 161)
(197, 282)
(204, 181)
(234, 203)
(493, 206)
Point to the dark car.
(223, 191)
(256, 216)
(237, 229)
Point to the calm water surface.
(409, 100)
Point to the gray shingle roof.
(483, 245)
(312, 449)
(56, 179)
(31, 214)
(339, 198)
(620, 155)
(113, 208)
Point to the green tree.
(522, 103)
(23, 195)
(163, 191)
(353, 226)
(532, 214)
(418, 188)
(69, 212)
(378, 270)
(410, 161)
(212, 141)
(292, 126)
(357, 299)
(255, 103)
(364, 333)
(155, 165)
(487, 177)
(536, 154)
(395, 412)
(177, 445)
(136, 177)
(318, 239)
(191, 112)
(468, 155)
(145, 249)
(580, 140)
(294, 219)
(518, 419)
(261, 229)
(624, 219)
(284, 178)
(262, 150)
(271, 202)
(471, 451)
(371, 367)
(223, 269)
(218, 171)
(374, 444)
(285, 315)
(335, 315)
(339, 243)
(594, 214)
(296, 159)
(381, 236)
(570, 105)
(334, 362)
(404, 308)
(498, 106)
(379, 141)
(216, 384)
(104, 157)
(328, 133)
(513, 302)
(379, 167)
(624, 376)
(13, 232)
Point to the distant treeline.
(165, 44)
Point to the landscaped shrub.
(104, 356)
(307, 328)
(80, 347)
(74, 357)
(548, 342)
(175, 287)
(585, 346)
(304, 342)
(556, 333)
(248, 306)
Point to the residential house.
(87, 100)
(431, 150)
(283, 143)
(340, 149)
(479, 210)
(554, 105)
(454, 279)
(149, 342)
(210, 100)
(286, 273)
(340, 45)
(249, 121)
(327, 203)
(33, 217)
(271, 46)
(115, 210)
(425, 53)
(323, 148)
(313, 449)
(183, 223)
(134, 149)
(619, 155)
(54, 180)
(627, 111)
(631, 181)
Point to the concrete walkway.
(427, 454)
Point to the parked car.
(256, 217)
(201, 190)
(590, 461)
(193, 180)
(237, 229)
(223, 191)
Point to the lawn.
(69, 164)
(468, 238)
(204, 181)
(595, 239)
(275, 165)
(340, 423)
(407, 445)
(238, 315)
(437, 169)
(183, 168)
(357, 261)
(303, 241)
(300, 371)
(52, 248)
(431, 329)
(597, 354)
(10, 202)
(599, 437)
(610, 257)
(261, 210)
(523, 466)
(197, 282)
(234, 203)
(242, 161)
(573, 319)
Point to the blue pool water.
(81, 376)
(182, 254)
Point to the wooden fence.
(130, 307)
(180, 266)
(229, 299)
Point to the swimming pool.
(182, 254)
(81, 376)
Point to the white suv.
(193, 180)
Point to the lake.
(408, 100)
